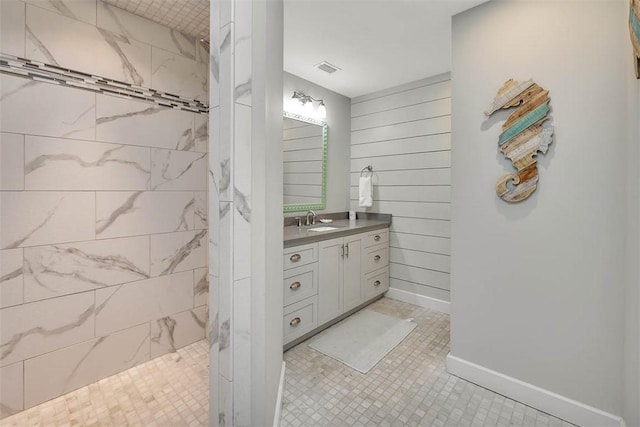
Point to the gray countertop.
(295, 236)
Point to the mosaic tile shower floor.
(171, 390)
(409, 387)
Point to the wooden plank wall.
(405, 134)
(302, 157)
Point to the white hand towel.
(366, 192)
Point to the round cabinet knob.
(376, 283)
(295, 257)
(376, 258)
(295, 322)
(295, 286)
(376, 237)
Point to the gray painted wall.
(538, 287)
(632, 296)
(338, 119)
(405, 134)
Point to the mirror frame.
(325, 131)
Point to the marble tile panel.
(214, 155)
(201, 132)
(12, 21)
(133, 26)
(201, 219)
(225, 402)
(57, 40)
(241, 244)
(120, 214)
(226, 12)
(29, 330)
(56, 270)
(178, 170)
(11, 277)
(11, 389)
(242, 352)
(214, 235)
(83, 364)
(124, 121)
(178, 75)
(202, 53)
(224, 144)
(174, 252)
(242, 159)
(214, 64)
(214, 320)
(62, 164)
(119, 307)
(200, 287)
(225, 290)
(177, 330)
(30, 218)
(11, 161)
(38, 108)
(81, 10)
(242, 54)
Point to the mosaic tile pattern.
(409, 387)
(40, 71)
(190, 16)
(172, 390)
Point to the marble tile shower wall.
(103, 202)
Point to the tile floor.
(410, 387)
(171, 390)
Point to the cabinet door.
(330, 262)
(352, 272)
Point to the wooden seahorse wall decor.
(634, 31)
(523, 136)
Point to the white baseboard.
(278, 414)
(536, 397)
(419, 300)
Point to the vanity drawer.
(376, 283)
(300, 318)
(300, 283)
(377, 237)
(375, 258)
(300, 255)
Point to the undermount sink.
(320, 229)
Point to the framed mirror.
(304, 145)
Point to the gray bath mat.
(362, 340)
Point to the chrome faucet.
(313, 218)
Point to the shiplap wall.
(302, 162)
(405, 134)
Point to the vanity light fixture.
(303, 104)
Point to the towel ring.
(367, 169)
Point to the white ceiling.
(376, 43)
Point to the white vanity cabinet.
(340, 272)
(375, 260)
(326, 280)
(300, 285)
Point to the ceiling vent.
(326, 67)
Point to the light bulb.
(308, 109)
(322, 111)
